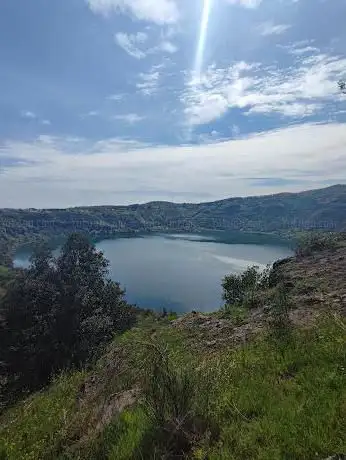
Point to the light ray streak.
(202, 39)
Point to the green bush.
(310, 243)
(236, 313)
(177, 424)
(245, 289)
(279, 322)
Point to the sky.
(129, 101)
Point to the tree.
(59, 312)
(29, 312)
(81, 270)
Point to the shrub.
(177, 425)
(311, 242)
(244, 289)
(280, 323)
(238, 314)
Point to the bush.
(280, 323)
(244, 289)
(314, 242)
(177, 424)
(238, 314)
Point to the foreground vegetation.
(56, 315)
(266, 400)
(264, 378)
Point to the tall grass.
(260, 401)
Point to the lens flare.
(202, 38)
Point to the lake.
(178, 272)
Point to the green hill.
(284, 213)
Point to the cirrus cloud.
(157, 11)
(299, 91)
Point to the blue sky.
(120, 101)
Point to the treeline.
(57, 314)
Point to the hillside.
(283, 213)
(250, 383)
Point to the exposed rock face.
(317, 281)
(315, 284)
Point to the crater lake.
(181, 272)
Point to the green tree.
(29, 313)
(59, 312)
(81, 270)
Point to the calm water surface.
(178, 272)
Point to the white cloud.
(157, 11)
(298, 91)
(32, 116)
(148, 82)
(27, 114)
(116, 97)
(129, 43)
(304, 50)
(168, 46)
(268, 28)
(245, 3)
(130, 118)
(133, 45)
(300, 48)
(91, 113)
(112, 171)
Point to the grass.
(238, 314)
(120, 439)
(34, 429)
(283, 402)
(269, 400)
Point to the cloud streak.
(130, 118)
(157, 11)
(245, 3)
(268, 28)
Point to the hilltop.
(260, 382)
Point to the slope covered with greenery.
(264, 378)
(323, 209)
(263, 400)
